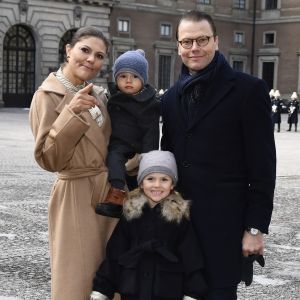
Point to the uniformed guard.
(277, 104)
(271, 93)
(293, 109)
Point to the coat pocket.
(169, 281)
(128, 281)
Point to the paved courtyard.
(24, 192)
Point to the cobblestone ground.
(24, 259)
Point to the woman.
(71, 127)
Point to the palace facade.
(259, 37)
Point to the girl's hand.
(97, 296)
(82, 101)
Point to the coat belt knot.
(131, 257)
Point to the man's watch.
(253, 231)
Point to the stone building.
(33, 34)
(259, 37)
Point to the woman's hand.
(82, 101)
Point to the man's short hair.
(197, 16)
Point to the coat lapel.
(95, 130)
(221, 85)
(54, 86)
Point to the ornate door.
(18, 67)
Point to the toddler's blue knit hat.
(132, 61)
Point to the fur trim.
(134, 203)
(173, 208)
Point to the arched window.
(18, 67)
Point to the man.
(226, 164)
(293, 109)
(277, 105)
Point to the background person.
(277, 105)
(134, 111)
(226, 162)
(153, 252)
(71, 128)
(293, 110)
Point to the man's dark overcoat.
(226, 162)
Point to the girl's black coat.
(152, 253)
(227, 165)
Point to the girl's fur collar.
(173, 208)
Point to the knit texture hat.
(157, 161)
(132, 61)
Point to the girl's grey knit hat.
(157, 161)
(132, 61)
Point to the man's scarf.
(192, 88)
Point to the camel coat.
(75, 147)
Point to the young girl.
(153, 252)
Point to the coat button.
(186, 164)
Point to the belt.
(131, 257)
(82, 173)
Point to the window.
(238, 65)
(240, 4)
(123, 25)
(239, 38)
(269, 38)
(271, 4)
(268, 73)
(204, 1)
(164, 72)
(165, 30)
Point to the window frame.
(242, 62)
(265, 35)
(123, 21)
(204, 2)
(165, 25)
(239, 4)
(242, 34)
(271, 4)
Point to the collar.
(173, 208)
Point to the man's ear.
(216, 42)
(178, 49)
